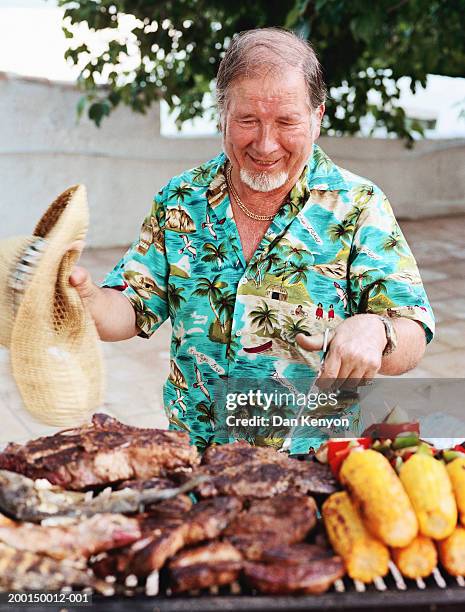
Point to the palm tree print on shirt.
(265, 318)
(215, 253)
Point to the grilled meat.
(295, 554)
(312, 478)
(106, 451)
(177, 507)
(210, 517)
(78, 539)
(311, 578)
(216, 563)
(30, 500)
(240, 452)
(165, 534)
(289, 517)
(259, 480)
(163, 538)
(23, 570)
(243, 470)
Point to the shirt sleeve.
(383, 275)
(142, 273)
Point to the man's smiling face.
(269, 129)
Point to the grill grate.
(392, 591)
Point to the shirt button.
(238, 333)
(243, 281)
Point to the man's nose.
(266, 143)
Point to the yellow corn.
(418, 559)
(452, 552)
(365, 557)
(456, 471)
(379, 496)
(428, 486)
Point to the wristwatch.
(391, 335)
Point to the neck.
(267, 202)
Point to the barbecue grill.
(440, 590)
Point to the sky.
(32, 43)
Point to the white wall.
(43, 150)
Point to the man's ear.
(317, 117)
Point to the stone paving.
(137, 368)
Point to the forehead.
(272, 91)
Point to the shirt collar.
(320, 173)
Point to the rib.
(78, 539)
(23, 570)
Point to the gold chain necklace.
(241, 205)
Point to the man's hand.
(81, 280)
(355, 351)
(113, 314)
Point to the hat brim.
(55, 349)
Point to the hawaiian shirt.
(333, 250)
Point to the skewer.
(460, 581)
(152, 585)
(235, 588)
(339, 586)
(439, 579)
(131, 581)
(379, 583)
(398, 579)
(110, 579)
(213, 590)
(359, 586)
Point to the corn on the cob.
(380, 497)
(452, 552)
(418, 559)
(365, 557)
(456, 471)
(428, 486)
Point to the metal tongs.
(313, 389)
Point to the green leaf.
(97, 111)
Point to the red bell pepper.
(338, 450)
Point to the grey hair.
(270, 48)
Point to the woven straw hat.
(54, 346)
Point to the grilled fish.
(36, 500)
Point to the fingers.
(81, 280)
(78, 276)
(313, 343)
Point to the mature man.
(260, 250)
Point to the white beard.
(263, 181)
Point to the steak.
(243, 470)
(295, 554)
(310, 578)
(209, 518)
(23, 570)
(288, 517)
(240, 452)
(78, 539)
(216, 563)
(106, 451)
